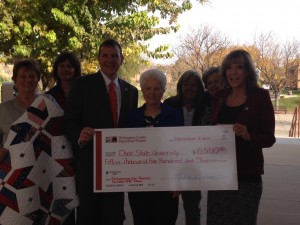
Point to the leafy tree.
(201, 48)
(2, 79)
(41, 29)
(277, 63)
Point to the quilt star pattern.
(37, 178)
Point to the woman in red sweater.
(249, 109)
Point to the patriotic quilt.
(37, 180)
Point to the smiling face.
(213, 84)
(65, 70)
(236, 74)
(190, 88)
(110, 60)
(26, 80)
(152, 91)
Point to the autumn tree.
(201, 48)
(276, 62)
(41, 29)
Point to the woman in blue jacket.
(157, 207)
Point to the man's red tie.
(113, 102)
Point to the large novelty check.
(165, 158)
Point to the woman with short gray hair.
(157, 207)
(155, 74)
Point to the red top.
(258, 115)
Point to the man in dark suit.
(88, 108)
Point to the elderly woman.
(159, 207)
(26, 75)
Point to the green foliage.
(290, 103)
(40, 29)
(3, 79)
(293, 92)
(288, 99)
(276, 62)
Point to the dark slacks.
(191, 204)
(95, 208)
(153, 208)
(71, 219)
(101, 208)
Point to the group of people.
(26, 75)
(228, 94)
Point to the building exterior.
(293, 76)
(7, 91)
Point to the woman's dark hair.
(207, 73)
(240, 55)
(73, 60)
(28, 64)
(186, 76)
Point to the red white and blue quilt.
(37, 180)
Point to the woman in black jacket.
(189, 99)
(65, 69)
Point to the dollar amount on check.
(164, 159)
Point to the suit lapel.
(124, 99)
